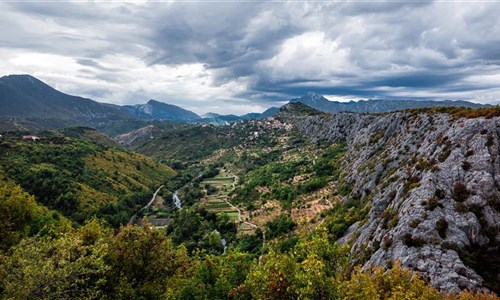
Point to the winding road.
(132, 219)
(240, 219)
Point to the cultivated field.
(215, 201)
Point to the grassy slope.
(79, 177)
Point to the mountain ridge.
(27, 103)
(27, 96)
(319, 102)
(154, 109)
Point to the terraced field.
(215, 201)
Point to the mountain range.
(27, 103)
(319, 102)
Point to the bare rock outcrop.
(432, 186)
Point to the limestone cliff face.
(140, 134)
(432, 183)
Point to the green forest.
(65, 202)
(44, 256)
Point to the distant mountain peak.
(153, 101)
(211, 115)
(23, 80)
(159, 110)
(311, 97)
(314, 95)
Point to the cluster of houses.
(264, 124)
(30, 137)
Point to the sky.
(240, 57)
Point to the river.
(177, 201)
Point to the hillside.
(25, 97)
(427, 182)
(80, 173)
(264, 202)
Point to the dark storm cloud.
(229, 36)
(261, 53)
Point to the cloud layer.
(237, 57)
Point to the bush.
(414, 223)
(489, 141)
(444, 155)
(460, 192)
(461, 208)
(441, 227)
(433, 203)
(466, 166)
(386, 243)
(494, 202)
(411, 241)
(280, 226)
(313, 185)
(440, 194)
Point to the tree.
(17, 211)
(395, 283)
(70, 266)
(142, 263)
(312, 270)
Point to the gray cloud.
(251, 55)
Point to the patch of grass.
(376, 136)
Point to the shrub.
(376, 136)
(433, 203)
(414, 223)
(489, 141)
(345, 189)
(494, 202)
(411, 241)
(386, 243)
(441, 227)
(475, 209)
(460, 192)
(466, 166)
(446, 151)
(461, 208)
(280, 226)
(440, 194)
(393, 222)
(450, 246)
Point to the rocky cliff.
(431, 182)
